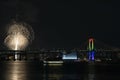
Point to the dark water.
(20, 70)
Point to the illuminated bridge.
(94, 50)
(91, 50)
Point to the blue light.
(91, 55)
(69, 56)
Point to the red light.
(91, 39)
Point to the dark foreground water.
(20, 70)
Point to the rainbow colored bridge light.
(91, 49)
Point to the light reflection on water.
(20, 70)
(64, 73)
(15, 71)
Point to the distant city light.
(16, 56)
(70, 56)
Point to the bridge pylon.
(91, 50)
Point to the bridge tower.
(91, 49)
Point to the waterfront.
(35, 70)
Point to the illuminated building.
(70, 56)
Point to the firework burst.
(19, 35)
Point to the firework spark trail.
(18, 37)
(16, 43)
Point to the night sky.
(64, 23)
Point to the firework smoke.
(19, 35)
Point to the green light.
(91, 44)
